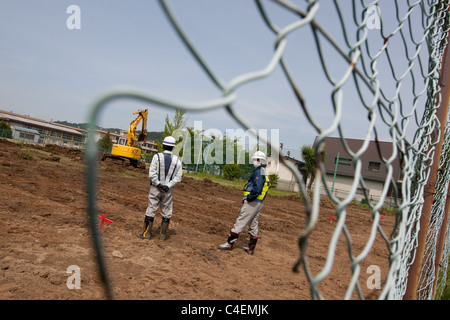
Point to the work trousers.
(248, 216)
(158, 198)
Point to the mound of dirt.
(44, 233)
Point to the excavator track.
(123, 161)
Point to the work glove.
(162, 188)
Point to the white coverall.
(165, 169)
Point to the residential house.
(286, 178)
(340, 168)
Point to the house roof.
(85, 131)
(373, 167)
(36, 122)
(296, 161)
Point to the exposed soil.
(44, 230)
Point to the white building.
(24, 134)
(33, 130)
(49, 132)
(286, 179)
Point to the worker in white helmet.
(255, 192)
(164, 172)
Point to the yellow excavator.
(129, 151)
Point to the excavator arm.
(129, 151)
(142, 116)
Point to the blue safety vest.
(265, 188)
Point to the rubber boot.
(232, 238)
(164, 226)
(251, 245)
(148, 223)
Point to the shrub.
(273, 179)
(231, 171)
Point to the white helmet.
(169, 141)
(259, 155)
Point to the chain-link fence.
(393, 66)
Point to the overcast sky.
(54, 73)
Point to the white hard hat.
(169, 141)
(259, 155)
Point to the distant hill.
(83, 126)
(152, 136)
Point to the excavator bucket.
(142, 136)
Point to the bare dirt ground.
(44, 230)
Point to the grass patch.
(133, 175)
(236, 184)
(239, 184)
(39, 151)
(26, 156)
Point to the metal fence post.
(430, 187)
(335, 170)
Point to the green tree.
(5, 130)
(178, 122)
(105, 143)
(309, 156)
(310, 164)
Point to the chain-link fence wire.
(428, 274)
(418, 35)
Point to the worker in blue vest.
(255, 192)
(164, 172)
